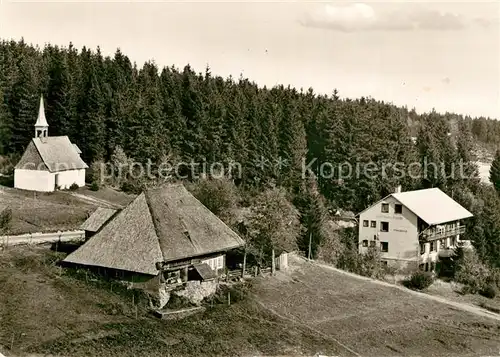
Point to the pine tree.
(60, 99)
(23, 101)
(292, 142)
(91, 107)
(313, 217)
(495, 171)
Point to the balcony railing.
(440, 234)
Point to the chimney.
(397, 189)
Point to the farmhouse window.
(373, 224)
(398, 208)
(365, 223)
(422, 248)
(384, 247)
(365, 243)
(384, 226)
(385, 208)
(215, 263)
(372, 243)
(433, 247)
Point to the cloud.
(363, 17)
(487, 23)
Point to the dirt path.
(462, 306)
(42, 238)
(96, 201)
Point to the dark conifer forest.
(153, 113)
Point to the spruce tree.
(313, 217)
(495, 171)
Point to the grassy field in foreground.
(44, 311)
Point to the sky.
(419, 54)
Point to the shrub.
(5, 220)
(420, 280)
(74, 187)
(472, 273)
(133, 187)
(489, 291)
(94, 186)
(178, 302)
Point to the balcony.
(440, 234)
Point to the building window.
(385, 208)
(384, 226)
(384, 263)
(442, 244)
(433, 247)
(398, 208)
(422, 248)
(373, 224)
(372, 244)
(365, 243)
(215, 263)
(384, 247)
(365, 223)
(426, 266)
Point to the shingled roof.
(97, 219)
(161, 225)
(57, 153)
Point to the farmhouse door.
(56, 182)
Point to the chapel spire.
(41, 125)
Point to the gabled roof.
(31, 159)
(97, 219)
(431, 205)
(161, 225)
(128, 242)
(78, 151)
(57, 153)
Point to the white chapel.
(49, 163)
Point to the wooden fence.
(41, 238)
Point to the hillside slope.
(44, 311)
(306, 311)
(374, 320)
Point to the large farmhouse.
(416, 228)
(49, 162)
(164, 236)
